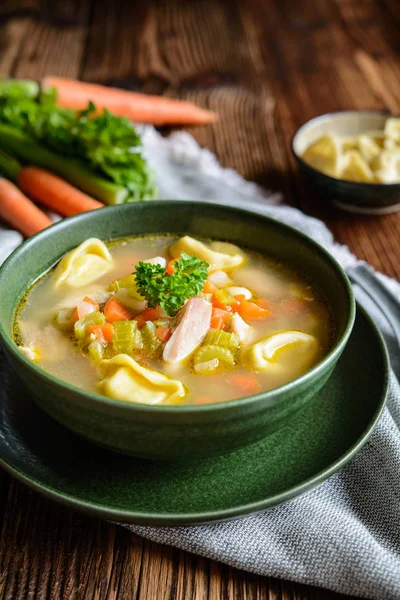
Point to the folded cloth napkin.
(345, 534)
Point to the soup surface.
(198, 322)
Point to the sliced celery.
(207, 368)
(222, 338)
(80, 327)
(96, 350)
(151, 343)
(225, 297)
(137, 340)
(124, 336)
(210, 351)
(125, 282)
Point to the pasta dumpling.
(219, 261)
(89, 261)
(123, 378)
(261, 355)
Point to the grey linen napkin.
(345, 534)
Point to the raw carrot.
(246, 382)
(115, 311)
(148, 314)
(17, 210)
(103, 332)
(54, 192)
(142, 108)
(163, 333)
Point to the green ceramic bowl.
(172, 432)
(352, 196)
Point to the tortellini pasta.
(88, 262)
(371, 157)
(123, 378)
(261, 355)
(221, 257)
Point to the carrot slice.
(115, 311)
(148, 314)
(170, 267)
(251, 310)
(142, 108)
(85, 307)
(219, 318)
(246, 382)
(54, 192)
(209, 288)
(163, 333)
(19, 212)
(103, 332)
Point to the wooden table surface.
(266, 67)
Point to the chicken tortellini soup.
(161, 320)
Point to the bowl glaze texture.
(352, 196)
(174, 432)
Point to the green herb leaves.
(170, 291)
(107, 145)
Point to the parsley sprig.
(170, 291)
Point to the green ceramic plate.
(319, 440)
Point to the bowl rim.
(311, 169)
(91, 397)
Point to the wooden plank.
(55, 44)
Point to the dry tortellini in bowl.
(371, 157)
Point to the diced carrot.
(115, 311)
(204, 399)
(148, 314)
(246, 382)
(163, 333)
(292, 305)
(219, 318)
(103, 332)
(85, 307)
(209, 288)
(170, 267)
(263, 303)
(251, 310)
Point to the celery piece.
(96, 350)
(151, 343)
(222, 338)
(211, 351)
(125, 282)
(80, 327)
(207, 368)
(225, 297)
(137, 340)
(73, 170)
(123, 336)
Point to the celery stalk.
(25, 88)
(72, 170)
(9, 166)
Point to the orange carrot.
(250, 310)
(148, 314)
(170, 266)
(219, 318)
(209, 288)
(103, 332)
(142, 108)
(246, 382)
(115, 311)
(85, 307)
(17, 210)
(163, 333)
(54, 192)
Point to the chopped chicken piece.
(193, 326)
